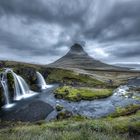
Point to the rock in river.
(35, 111)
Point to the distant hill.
(130, 66)
(12, 64)
(78, 58)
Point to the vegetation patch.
(56, 75)
(128, 110)
(76, 128)
(77, 94)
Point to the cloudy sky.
(41, 31)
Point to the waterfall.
(21, 88)
(4, 84)
(6, 92)
(41, 81)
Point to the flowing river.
(93, 109)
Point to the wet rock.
(28, 73)
(59, 107)
(35, 87)
(35, 111)
(64, 115)
(1, 97)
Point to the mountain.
(78, 58)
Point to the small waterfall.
(41, 81)
(6, 92)
(4, 84)
(21, 88)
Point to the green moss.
(76, 94)
(136, 97)
(128, 110)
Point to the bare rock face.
(78, 58)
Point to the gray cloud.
(42, 30)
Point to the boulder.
(64, 115)
(34, 111)
(59, 107)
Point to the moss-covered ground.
(76, 128)
(71, 78)
(128, 110)
(77, 94)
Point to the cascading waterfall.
(41, 81)
(3, 80)
(21, 88)
(6, 92)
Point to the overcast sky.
(41, 31)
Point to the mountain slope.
(78, 58)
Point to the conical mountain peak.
(77, 57)
(76, 49)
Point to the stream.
(93, 109)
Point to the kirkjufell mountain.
(78, 58)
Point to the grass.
(76, 128)
(136, 97)
(40, 133)
(77, 94)
(71, 78)
(128, 110)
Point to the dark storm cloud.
(26, 46)
(127, 51)
(122, 22)
(61, 11)
(45, 28)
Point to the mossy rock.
(11, 85)
(59, 107)
(77, 94)
(64, 115)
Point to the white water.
(121, 90)
(6, 92)
(41, 81)
(21, 88)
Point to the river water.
(93, 109)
